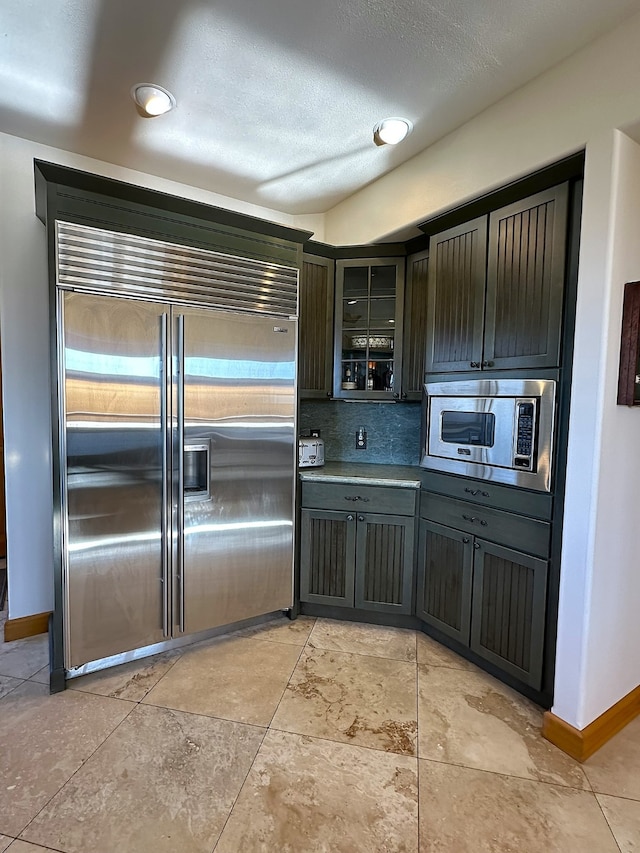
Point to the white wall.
(24, 333)
(612, 653)
(578, 104)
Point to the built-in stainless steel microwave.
(491, 429)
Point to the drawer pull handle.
(350, 498)
(475, 492)
(474, 518)
(364, 500)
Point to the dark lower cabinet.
(486, 596)
(445, 572)
(351, 559)
(327, 557)
(508, 609)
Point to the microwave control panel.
(525, 435)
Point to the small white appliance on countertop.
(311, 450)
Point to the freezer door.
(113, 378)
(238, 398)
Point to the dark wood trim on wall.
(628, 389)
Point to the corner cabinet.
(482, 573)
(368, 328)
(357, 546)
(315, 328)
(496, 287)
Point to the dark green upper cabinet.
(455, 311)
(315, 329)
(368, 328)
(496, 288)
(415, 326)
(525, 281)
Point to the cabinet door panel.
(457, 276)
(507, 623)
(525, 281)
(384, 562)
(415, 326)
(444, 579)
(327, 557)
(315, 369)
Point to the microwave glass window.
(476, 428)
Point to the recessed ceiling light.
(390, 131)
(152, 100)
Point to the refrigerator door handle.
(166, 504)
(180, 413)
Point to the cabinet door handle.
(404, 396)
(466, 540)
(487, 364)
(396, 396)
(476, 546)
(361, 518)
(474, 364)
(474, 518)
(349, 518)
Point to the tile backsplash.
(393, 430)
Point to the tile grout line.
(266, 731)
(595, 796)
(511, 776)
(295, 666)
(82, 764)
(240, 790)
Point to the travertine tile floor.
(313, 736)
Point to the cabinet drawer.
(505, 528)
(351, 496)
(483, 493)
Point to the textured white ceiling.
(276, 98)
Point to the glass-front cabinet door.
(368, 328)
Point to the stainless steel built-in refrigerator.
(177, 443)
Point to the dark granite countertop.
(403, 476)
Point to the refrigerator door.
(237, 394)
(113, 474)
